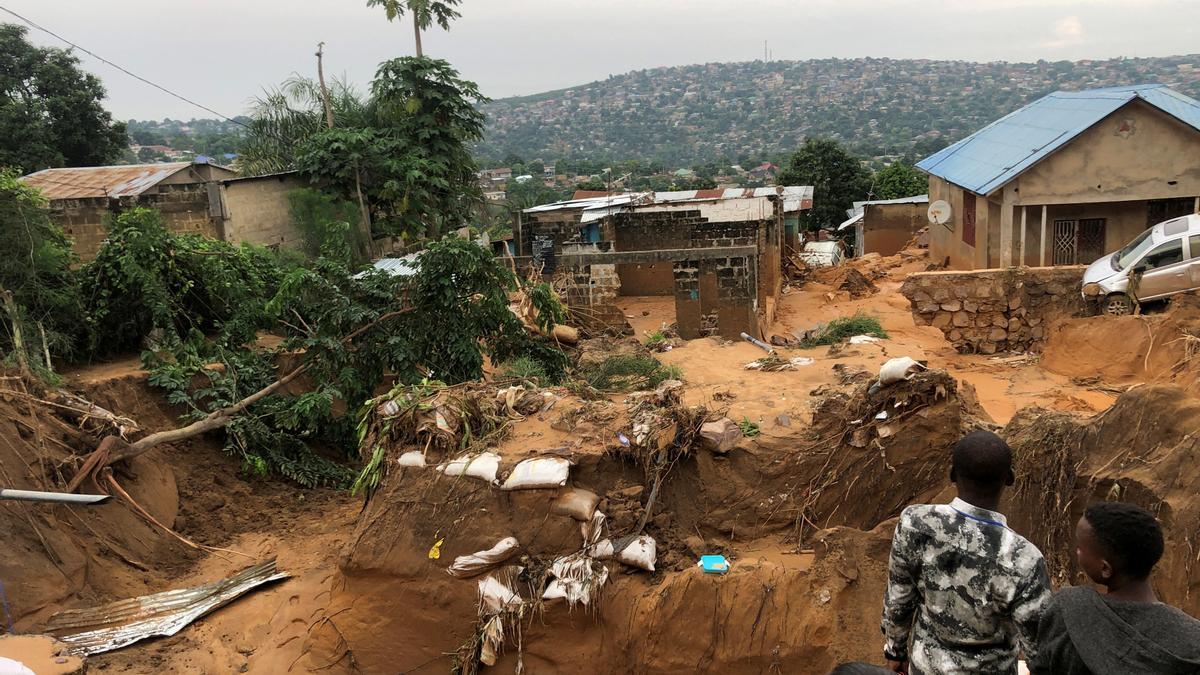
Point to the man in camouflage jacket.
(963, 588)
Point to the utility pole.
(324, 89)
(364, 214)
(417, 31)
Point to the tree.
(286, 116)
(50, 112)
(838, 179)
(41, 302)
(900, 180)
(424, 13)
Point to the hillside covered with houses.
(738, 112)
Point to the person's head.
(981, 464)
(1115, 541)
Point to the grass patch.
(525, 368)
(749, 429)
(628, 372)
(845, 327)
(654, 339)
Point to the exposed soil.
(803, 510)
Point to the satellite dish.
(939, 212)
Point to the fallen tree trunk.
(114, 448)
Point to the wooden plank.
(1006, 235)
(1021, 261)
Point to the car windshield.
(1134, 250)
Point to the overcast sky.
(223, 52)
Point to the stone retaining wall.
(995, 310)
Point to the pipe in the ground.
(52, 497)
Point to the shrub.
(845, 327)
(628, 372)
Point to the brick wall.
(184, 209)
(994, 310)
(716, 297)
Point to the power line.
(123, 70)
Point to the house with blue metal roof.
(1067, 178)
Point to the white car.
(1166, 257)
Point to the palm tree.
(424, 12)
(283, 117)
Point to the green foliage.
(900, 180)
(845, 327)
(628, 372)
(50, 112)
(287, 116)
(654, 339)
(37, 271)
(749, 428)
(148, 283)
(838, 179)
(326, 223)
(524, 368)
(427, 12)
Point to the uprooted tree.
(202, 304)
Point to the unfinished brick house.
(717, 252)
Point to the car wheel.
(1118, 304)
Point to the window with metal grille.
(968, 233)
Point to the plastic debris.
(495, 596)
(593, 530)
(863, 339)
(412, 458)
(773, 364)
(757, 343)
(483, 466)
(467, 566)
(898, 369)
(435, 551)
(713, 564)
(539, 472)
(577, 579)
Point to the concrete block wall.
(184, 210)
(716, 297)
(995, 310)
(257, 211)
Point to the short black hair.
(1129, 534)
(983, 458)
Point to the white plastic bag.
(482, 466)
(898, 369)
(539, 472)
(641, 552)
(577, 579)
(465, 566)
(495, 596)
(601, 550)
(593, 529)
(412, 458)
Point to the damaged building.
(717, 252)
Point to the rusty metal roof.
(101, 181)
(100, 629)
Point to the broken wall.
(996, 310)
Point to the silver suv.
(1162, 261)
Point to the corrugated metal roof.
(1001, 151)
(856, 213)
(101, 181)
(117, 624)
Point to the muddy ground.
(803, 510)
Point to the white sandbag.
(593, 529)
(601, 550)
(641, 552)
(863, 339)
(539, 472)
(495, 596)
(483, 466)
(577, 579)
(412, 458)
(465, 566)
(576, 503)
(898, 369)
